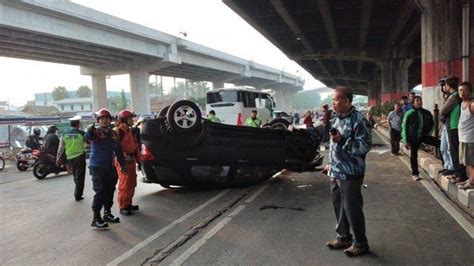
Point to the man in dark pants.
(74, 143)
(452, 111)
(394, 119)
(351, 139)
(416, 128)
(104, 146)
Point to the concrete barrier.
(432, 166)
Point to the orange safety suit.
(127, 181)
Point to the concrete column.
(140, 92)
(394, 79)
(217, 85)
(374, 93)
(99, 92)
(441, 25)
(283, 99)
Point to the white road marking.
(465, 224)
(153, 237)
(198, 244)
(256, 194)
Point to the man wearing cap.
(73, 144)
(104, 148)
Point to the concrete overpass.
(377, 48)
(104, 45)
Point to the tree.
(155, 89)
(196, 90)
(123, 100)
(114, 103)
(84, 92)
(327, 100)
(59, 93)
(306, 100)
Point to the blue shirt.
(347, 157)
(104, 148)
(406, 107)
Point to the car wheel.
(279, 123)
(184, 116)
(164, 111)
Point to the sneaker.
(134, 208)
(99, 224)
(354, 251)
(339, 244)
(109, 217)
(415, 177)
(79, 199)
(126, 212)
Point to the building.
(81, 106)
(46, 98)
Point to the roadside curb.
(432, 166)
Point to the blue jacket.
(104, 146)
(347, 157)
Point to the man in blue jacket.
(104, 147)
(351, 139)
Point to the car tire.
(164, 111)
(184, 116)
(279, 123)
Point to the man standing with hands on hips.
(104, 147)
(351, 139)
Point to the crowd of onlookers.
(410, 123)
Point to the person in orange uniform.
(129, 145)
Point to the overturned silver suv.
(181, 148)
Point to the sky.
(207, 22)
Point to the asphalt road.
(284, 221)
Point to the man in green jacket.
(417, 126)
(253, 121)
(212, 117)
(73, 143)
(452, 111)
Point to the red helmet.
(125, 114)
(102, 112)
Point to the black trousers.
(395, 137)
(415, 146)
(78, 167)
(459, 169)
(347, 203)
(103, 184)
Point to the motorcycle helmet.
(37, 131)
(124, 115)
(101, 113)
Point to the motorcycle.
(26, 158)
(47, 165)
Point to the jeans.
(347, 203)
(415, 146)
(444, 147)
(78, 167)
(103, 184)
(395, 137)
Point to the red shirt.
(308, 121)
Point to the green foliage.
(114, 103)
(327, 100)
(59, 93)
(123, 100)
(195, 90)
(155, 89)
(306, 100)
(384, 109)
(360, 100)
(84, 92)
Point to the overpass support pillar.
(374, 93)
(394, 79)
(217, 85)
(441, 45)
(283, 99)
(140, 92)
(99, 91)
